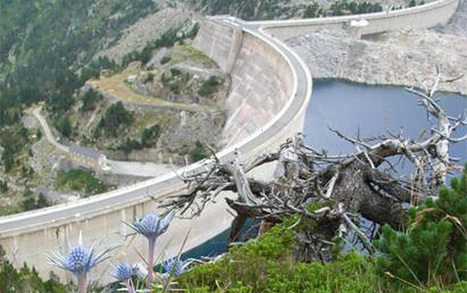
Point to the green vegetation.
(175, 80)
(32, 202)
(149, 139)
(81, 181)
(116, 117)
(149, 78)
(46, 54)
(433, 248)
(3, 186)
(267, 265)
(90, 98)
(26, 280)
(313, 10)
(150, 136)
(26, 201)
(209, 86)
(167, 39)
(38, 134)
(282, 9)
(12, 140)
(165, 59)
(248, 9)
(63, 125)
(198, 152)
(346, 8)
(45, 39)
(130, 145)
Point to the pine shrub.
(432, 251)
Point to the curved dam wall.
(422, 16)
(261, 78)
(28, 237)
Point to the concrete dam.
(271, 88)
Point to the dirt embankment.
(395, 58)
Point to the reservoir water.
(370, 111)
(359, 109)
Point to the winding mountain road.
(48, 133)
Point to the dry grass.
(116, 86)
(185, 52)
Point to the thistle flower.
(123, 273)
(151, 227)
(175, 266)
(79, 260)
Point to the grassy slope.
(267, 265)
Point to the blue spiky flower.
(80, 260)
(174, 266)
(152, 225)
(123, 272)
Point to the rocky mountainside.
(395, 58)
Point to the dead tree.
(341, 188)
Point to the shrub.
(31, 202)
(81, 181)
(313, 10)
(3, 186)
(267, 265)
(130, 145)
(13, 140)
(115, 117)
(432, 250)
(193, 32)
(209, 86)
(175, 80)
(165, 59)
(90, 98)
(149, 77)
(198, 152)
(150, 136)
(168, 38)
(26, 280)
(63, 125)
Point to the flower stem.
(83, 283)
(129, 287)
(152, 244)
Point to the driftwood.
(342, 188)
